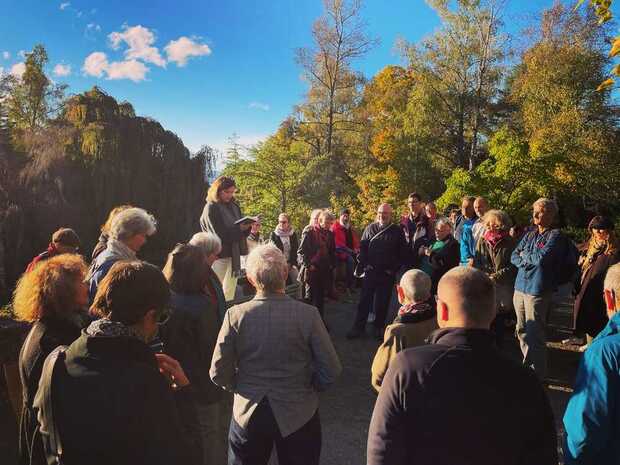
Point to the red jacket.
(340, 238)
(51, 251)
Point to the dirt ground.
(346, 408)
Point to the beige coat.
(398, 337)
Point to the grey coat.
(276, 347)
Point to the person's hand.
(421, 251)
(172, 370)
(427, 251)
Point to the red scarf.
(494, 237)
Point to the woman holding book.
(221, 216)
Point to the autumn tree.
(458, 73)
(33, 98)
(340, 38)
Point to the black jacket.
(590, 312)
(308, 249)
(189, 336)
(292, 257)
(212, 221)
(387, 252)
(444, 260)
(45, 335)
(459, 401)
(112, 406)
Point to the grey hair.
(416, 285)
(314, 216)
(612, 280)
(475, 293)
(209, 243)
(500, 216)
(441, 221)
(267, 267)
(132, 222)
(548, 204)
(327, 214)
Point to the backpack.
(567, 264)
(47, 429)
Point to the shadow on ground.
(347, 407)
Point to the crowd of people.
(126, 363)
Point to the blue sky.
(204, 69)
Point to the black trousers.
(376, 292)
(253, 445)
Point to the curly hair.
(50, 289)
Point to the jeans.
(376, 292)
(252, 445)
(532, 311)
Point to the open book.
(248, 219)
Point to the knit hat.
(601, 222)
(67, 237)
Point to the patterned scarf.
(595, 248)
(282, 232)
(494, 237)
(421, 307)
(108, 328)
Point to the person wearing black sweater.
(383, 249)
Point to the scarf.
(283, 233)
(254, 237)
(494, 237)
(230, 213)
(595, 248)
(115, 250)
(321, 238)
(108, 328)
(414, 313)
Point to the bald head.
(466, 299)
(384, 214)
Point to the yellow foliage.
(607, 83)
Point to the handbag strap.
(43, 404)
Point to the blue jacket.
(592, 418)
(536, 258)
(468, 245)
(100, 268)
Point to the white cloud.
(259, 106)
(18, 69)
(91, 31)
(62, 70)
(78, 14)
(22, 53)
(140, 41)
(93, 27)
(6, 55)
(64, 5)
(128, 69)
(96, 64)
(183, 48)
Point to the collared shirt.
(276, 347)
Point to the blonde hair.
(500, 216)
(49, 290)
(220, 184)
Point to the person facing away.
(275, 354)
(383, 249)
(592, 416)
(64, 240)
(537, 257)
(189, 337)
(53, 297)
(464, 234)
(115, 401)
(415, 320)
(458, 400)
